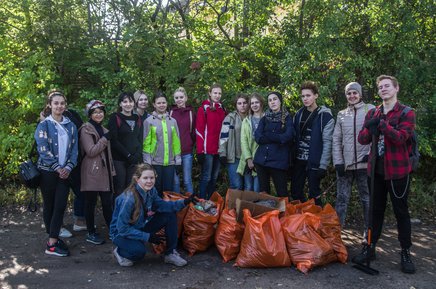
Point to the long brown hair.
(132, 188)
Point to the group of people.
(141, 155)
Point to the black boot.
(407, 265)
(361, 258)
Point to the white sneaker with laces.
(175, 259)
(121, 260)
(64, 233)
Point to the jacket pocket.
(95, 168)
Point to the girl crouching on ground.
(139, 213)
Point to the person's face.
(180, 99)
(97, 115)
(160, 105)
(274, 102)
(127, 105)
(147, 180)
(215, 94)
(142, 102)
(58, 105)
(242, 105)
(255, 105)
(353, 96)
(387, 90)
(308, 97)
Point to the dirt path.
(23, 264)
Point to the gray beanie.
(354, 86)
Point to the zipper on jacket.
(354, 138)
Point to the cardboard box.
(241, 200)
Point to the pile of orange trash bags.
(305, 235)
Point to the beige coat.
(346, 149)
(96, 158)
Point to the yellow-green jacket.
(248, 145)
(161, 140)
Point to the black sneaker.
(94, 238)
(57, 249)
(62, 244)
(361, 258)
(407, 265)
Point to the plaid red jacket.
(397, 133)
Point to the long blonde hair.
(132, 188)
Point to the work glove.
(178, 169)
(155, 239)
(340, 169)
(321, 173)
(372, 125)
(189, 200)
(223, 160)
(200, 158)
(365, 159)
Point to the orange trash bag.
(306, 247)
(263, 243)
(199, 227)
(330, 230)
(228, 235)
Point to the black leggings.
(91, 201)
(54, 192)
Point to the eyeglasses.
(352, 93)
(97, 112)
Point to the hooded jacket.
(97, 166)
(320, 150)
(161, 140)
(346, 148)
(230, 137)
(210, 117)
(185, 118)
(248, 145)
(46, 137)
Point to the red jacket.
(396, 133)
(208, 127)
(185, 118)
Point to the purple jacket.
(185, 118)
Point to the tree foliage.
(96, 49)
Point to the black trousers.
(90, 203)
(299, 175)
(279, 177)
(398, 191)
(54, 192)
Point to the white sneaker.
(175, 259)
(78, 228)
(64, 233)
(121, 260)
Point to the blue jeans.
(209, 174)
(251, 183)
(165, 178)
(187, 175)
(235, 179)
(135, 250)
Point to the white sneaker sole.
(55, 254)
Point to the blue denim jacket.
(124, 207)
(46, 137)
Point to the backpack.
(413, 140)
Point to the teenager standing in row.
(210, 116)
(161, 146)
(126, 130)
(97, 168)
(56, 140)
(185, 117)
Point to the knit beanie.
(93, 105)
(353, 86)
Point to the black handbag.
(29, 173)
